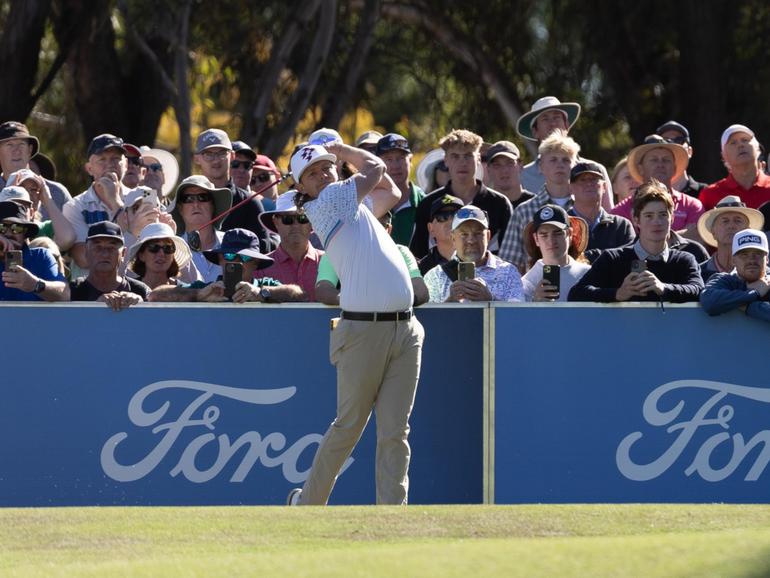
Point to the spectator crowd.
(475, 224)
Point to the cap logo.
(749, 239)
(307, 154)
(546, 213)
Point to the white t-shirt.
(569, 275)
(371, 269)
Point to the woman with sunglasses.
(158, 256)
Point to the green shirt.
(327, 273)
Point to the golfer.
(377, 344)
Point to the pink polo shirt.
(289, 272)
(687, 209)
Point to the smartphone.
(551, 275)
(466, 270)
(194, 240)
(233, 276)
(637, 266)
(13, 260)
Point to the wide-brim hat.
(424, 170)
(12, 130)
(241, 242)
(578, 239)
(157, 231)
(223, 200)
(654, 141)
(11, 212)
(283, 204)
(526, 120)
(730, 204)
(170, 167)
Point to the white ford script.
(710, 419)
(270, 450)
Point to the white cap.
(470, 213)
(15, 193)
(141, 193)
(749, 239)
(325, 136)
(732, 129)
(307, 156)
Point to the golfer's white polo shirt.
(371, 269)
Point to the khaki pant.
(378, 364)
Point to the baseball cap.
(732, 129)
(307, 156)
(324, 136)
(501, 147)
(11, 212)
(265, 163)
(470, 213)
(392, 142)
(551, 215)
(444, 202)
(585, 167)
(141, 193)
(16, 194)
(105, 229)
(212, 138)
(241, 147)
(370, 137)
(18, 177)
(673, 125)
(132, 150)
(749, 239)
(105, 141)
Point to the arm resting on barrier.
(725, 292)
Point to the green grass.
(468, 541)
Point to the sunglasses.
(444, 216)
(680, 140)
(237, 257)
(262, 177)
(192, 198)
(154, 167)
(291, 219)
(155, 247)
(245, 165)
(14, 228)
(136, 161)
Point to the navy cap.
(551, 215)
(392, 142)
(585, 167)
(673, 125)
(241, 242)
(105, 229)
(103, 142)
(241, 147)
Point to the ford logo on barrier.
(685, 426)
(258, 445)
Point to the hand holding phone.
(466, 270)
(233, 274)
(13, 260)
(551, 276)
(638, 265)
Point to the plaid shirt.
(512, 249)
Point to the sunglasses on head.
(14, 228)
(464, 213)
(154, 167)
(237, 257)
(193, 197)
(444, 216)
(155, 247)
(291, 219)
(245, 165)
(136, 161)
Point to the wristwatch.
(39, 286)
(265, 294)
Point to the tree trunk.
(314, 64)
(339, 101)
(182, 101)
(19, 55)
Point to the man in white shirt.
(377, 344)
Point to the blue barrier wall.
(630, 404)
(212, 405)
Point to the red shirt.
(288, 271)
(757, 195)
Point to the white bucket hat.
(524, 125)
(283, 204)
(168, 162)
(157, 231)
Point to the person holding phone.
(239, 257)
(559, 241)
(493, 279)
(648, 270)
(27, 273)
